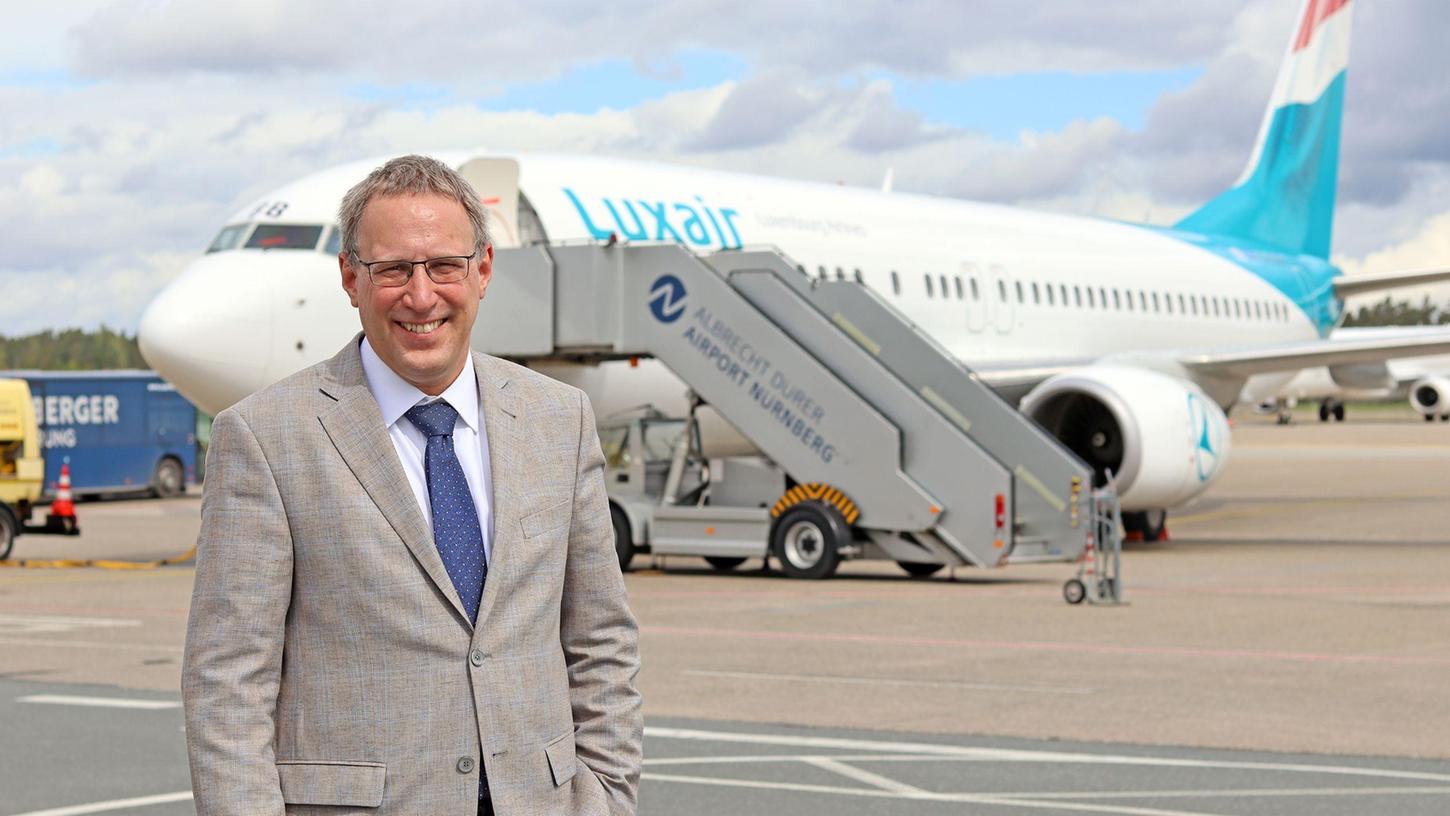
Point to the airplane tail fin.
(1285, 197)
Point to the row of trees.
(70, 350)
(1389, 312)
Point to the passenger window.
(1091, 304)
(1142, 300)
(840, 274)
(1181, 310)
(1062, 290)
(957, 281)
(1036, 293)
(1155, 301)
(927, 278)
(285, 236)
(1168, 303)
(1129, 298)
(859, 279)
(1020, 298)
(1117, 303)
(1002, 290)
(943, 285)
(821, 272)
(1077, 296)
(976, 294)
(895, 283)
(1050, 300)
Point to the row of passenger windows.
(1089, 297)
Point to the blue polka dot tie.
(455, 520)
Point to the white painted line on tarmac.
(98, 702)
(926, 796)
(1015, 755)
(860, 775)
(889, 681)
(113, 804)
(35, 624)
(91, 644)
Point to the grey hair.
(411, 175)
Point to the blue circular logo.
(667, 298)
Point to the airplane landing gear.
(1331, 408)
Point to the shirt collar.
(396, 395)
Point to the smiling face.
(420, 329)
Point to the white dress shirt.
(395, 396)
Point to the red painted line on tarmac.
(1049, 646)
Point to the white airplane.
(1109, 333)
(1423, 381)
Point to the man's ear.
(485, 269)
(349, 277)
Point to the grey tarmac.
(1285, 652)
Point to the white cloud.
(196, 108)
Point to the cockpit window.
(228, 238)
(285, 236)
(334, 241)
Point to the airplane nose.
(195, 332)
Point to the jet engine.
(1431, 397)
(1163, 439)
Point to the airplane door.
(1004, 312)
(497, 183)
(976, 297)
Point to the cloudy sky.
(133, 128)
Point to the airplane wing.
(1342, 349)
(1361, 284)
(1244, 362)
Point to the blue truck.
(121, 431)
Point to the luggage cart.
(1099, 572)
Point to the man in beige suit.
(407, 599)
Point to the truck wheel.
(808, 538)
(919, 570)
(7, 533)
(623, 547)
(169, 480)
(724, 563)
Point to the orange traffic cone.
(62, 507)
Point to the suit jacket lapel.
(356, 428)
(503, 422)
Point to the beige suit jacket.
(329, 666)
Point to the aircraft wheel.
(1074, 591)
(918, 570)
(723, 563)
(1445, 417)
(1151, 525)
(1323, 412)
(623, 547)
(1338, 412)
(807, 540)
(1429, 417)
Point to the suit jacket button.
(465, 765)
(476, 657)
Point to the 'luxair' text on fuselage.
(641, 219)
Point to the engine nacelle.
(1431, 396)
(1164, 440)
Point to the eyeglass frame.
(368, 266)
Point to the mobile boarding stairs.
(876, 442)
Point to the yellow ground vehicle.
(22, 466)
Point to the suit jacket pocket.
(561, 758)
(542, 521)
(332, 782)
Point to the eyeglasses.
(449, 269)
